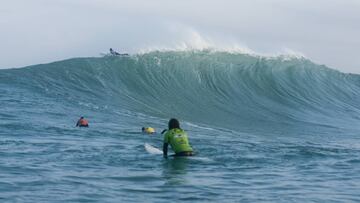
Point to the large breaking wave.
(227, 90)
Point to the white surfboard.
(151, 149)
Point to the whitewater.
(264, 129)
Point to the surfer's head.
(173, 123)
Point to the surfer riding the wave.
(177, 138)
(114, 53)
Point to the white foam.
(194, 41)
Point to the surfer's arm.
(165, 149)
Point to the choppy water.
(264, 129)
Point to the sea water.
(263, 129)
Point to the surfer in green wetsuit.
(178, 140)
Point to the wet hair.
(82, 117)
(173, 123)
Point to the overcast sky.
(41, 31)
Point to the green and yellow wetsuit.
(178, 140)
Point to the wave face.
(234, 91)
(259, 126)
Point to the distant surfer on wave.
(177, 138)
(82, 122)
(112, 52)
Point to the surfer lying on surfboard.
(177, 138)
(114, 53)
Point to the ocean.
(264, 129)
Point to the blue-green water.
(264, 129)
